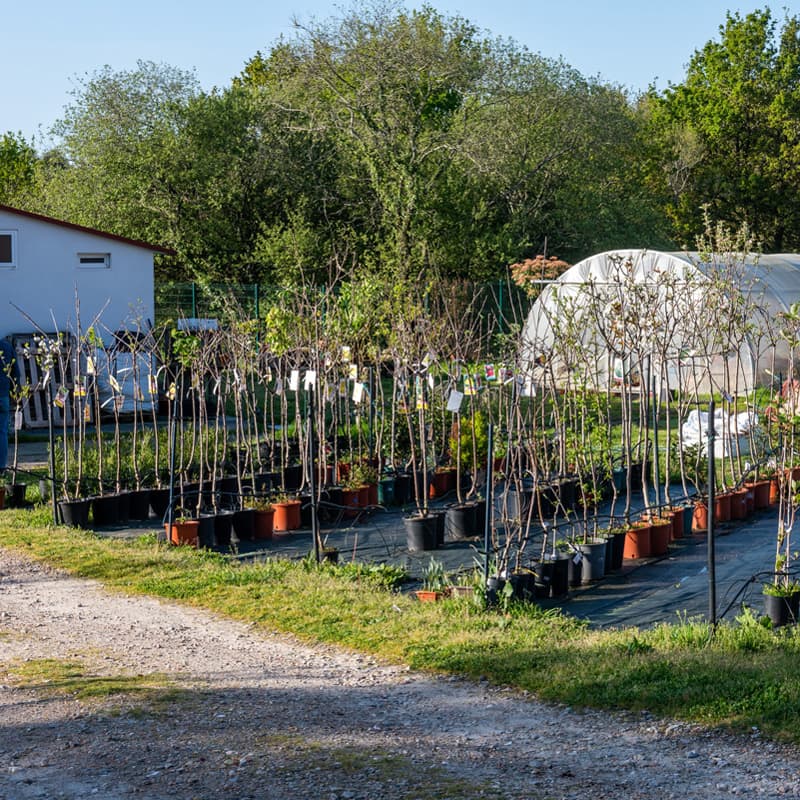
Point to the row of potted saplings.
(277, 504)
(577, 560)
(739, 503)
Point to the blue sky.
(47, 44)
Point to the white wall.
(44, 282)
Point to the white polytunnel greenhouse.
(670, 321)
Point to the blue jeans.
(4, 415)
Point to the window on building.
(8, 249)
(94, 260)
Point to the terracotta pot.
(659, 536)
(722, 507)
(637, 541)
(761, 493)
(183, 532)
(287, 516)
(438, 486)
(263, 522)
(350, 498)
(428, 596)
(774, 490)
(677, 524)
(739, 504)
(700, 518)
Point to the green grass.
(745, 676)
(53, 677)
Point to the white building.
(45, 264)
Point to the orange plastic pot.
(722, 507)
(660, 532)
(761, 492)
(287, 516)
(183, 532)
(637, 541)
(739, 504)
(700, 518)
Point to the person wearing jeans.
(7, 378)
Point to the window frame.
(94, 260)
(12, 234)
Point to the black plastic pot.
(205, 530)
(593, 566)
(223, 527)
(159, 501)
(459, 522)
(402, 488)
(559, 584)
(292, 477)
(782, 610)
(124, 506)
(74, 513)
(244, 523)
(420, 533)
(105, 510)
(139, 504)
(437, 520)
(15, 495)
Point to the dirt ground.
(261, 716)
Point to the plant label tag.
(61, 397)
(172, 392)
(87, 413)
(454, 401)
(342, 388)
(279, 387)
(309, 379)
(577, 558)
(152, 384)
(346, 353)
(91, 369)
(294, 380)
(358, 392)
(353, 372)
(113, 383)
(489, 372)
(17, 420)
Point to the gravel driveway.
(263, 716)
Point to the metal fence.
(502, 301)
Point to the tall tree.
(17, 168)
(729, 138)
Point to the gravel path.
(263, 716)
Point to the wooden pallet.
(31, 372)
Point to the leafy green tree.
(728, 135)
(17, 168)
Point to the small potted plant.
(434, 582)
(287, 512)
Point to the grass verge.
(744, 677)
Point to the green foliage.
(727, 136)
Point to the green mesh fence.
(504, 304)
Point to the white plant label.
(17, 420)
(358, 392)
(294, 380)
(310, 379)
(454, 400)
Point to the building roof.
(72, 226)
